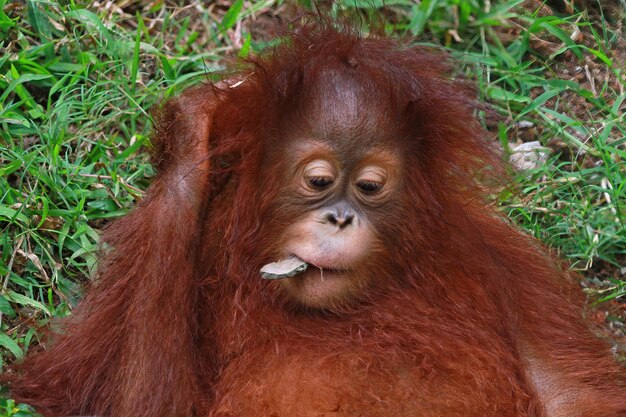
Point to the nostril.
(339, 215)
(347, 219)
(340, 220)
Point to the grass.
(77, 83)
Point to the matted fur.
(476, 319)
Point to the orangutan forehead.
(338, 98)
(342, 107)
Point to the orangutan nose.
(340, 215)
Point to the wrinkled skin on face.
(343, 179)
(337, 235)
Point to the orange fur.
(471, 317)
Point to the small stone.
(529, 155)
(285, 268)
(525, 124)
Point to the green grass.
(76, 86)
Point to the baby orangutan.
(351, 170)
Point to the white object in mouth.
(285, 268)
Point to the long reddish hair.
(178, 296)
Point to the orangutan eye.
(320, 182)
(371, 180)
(369, 187)
(319, 174)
